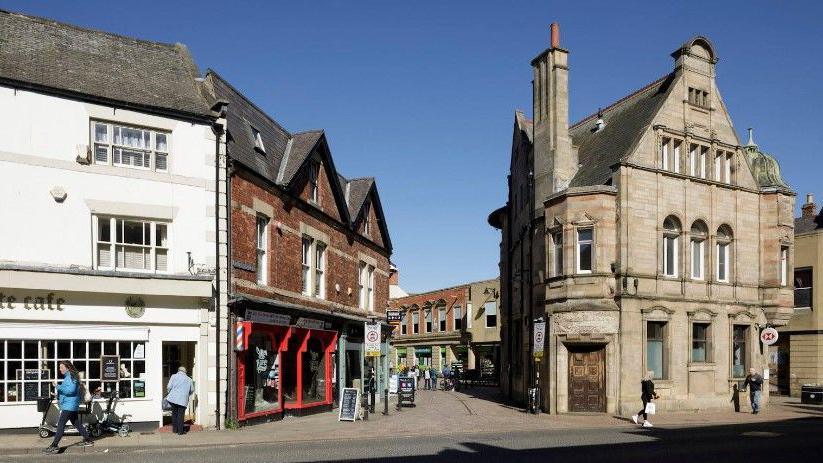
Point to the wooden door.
(587, 379)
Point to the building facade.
(109, 179)
(444, 326)
(797, 357)
(647, 236)
(309, 267)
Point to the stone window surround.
(704, 237)
(747, 319)
(317, 238)
(677, 233)
(710, 241)
(554, 230)
(583, 224)
(704, 316)
(688, 139)
(659, 314)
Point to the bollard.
(365, 401)
(386, 401)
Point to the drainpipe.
(218, 131)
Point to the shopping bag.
(166, 404)
(650, 408)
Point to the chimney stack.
(555, 163)
(809, 209)
(555, 35)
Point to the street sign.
(393, 317)
(539, 340)
(768, 336)
(110, 368)
(372, 340)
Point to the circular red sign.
(769, 336)
(372, 336)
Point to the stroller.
(48, 429)
(110, 422)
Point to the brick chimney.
(394, 275)
(555, 163)
(809, 209)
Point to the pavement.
(438, 415)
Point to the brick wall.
(288, 217)
(457, 295)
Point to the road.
(790, 440)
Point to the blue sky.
(421, 95)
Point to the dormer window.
(698, 97)
(258, 141)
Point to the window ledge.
(707, 366)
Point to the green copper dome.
(764, 166)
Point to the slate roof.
(625, 122)
(285, 153)
(45, 55)
(808, 224)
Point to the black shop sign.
(348, 405)
(110, 368)
(405, 391)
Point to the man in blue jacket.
(69, 394)
(180, 387)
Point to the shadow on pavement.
(788, 440)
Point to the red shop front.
(283, 368)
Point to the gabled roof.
(286, 154)
(626, 120)
(48, 56)
(808, 224)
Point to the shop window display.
(262, 374)
(314, 372)
(28, 368)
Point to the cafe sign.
(46, 302)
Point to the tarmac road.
(789, 440)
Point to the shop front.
(283, 366)
(124, 344)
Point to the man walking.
(179, 389)
(754, 382)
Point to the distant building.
(456, 324)
(797, 358)
(648, 236)
(395, 291)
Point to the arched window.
(724, 241)
(671, 240)
(699, 232)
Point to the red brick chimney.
(394, 276)
(555, 35)
(809, 209)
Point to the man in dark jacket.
(754, 382)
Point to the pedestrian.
(754, 382)
(647, 395)
(413, 376)
(427, 383)
(433, 375)
(179, 389)
(69, 394)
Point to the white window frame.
(664, 153)
(693, 155)
(442, 320)
(579, 246)
(728, 170)
(784, 265)
(306, 267)
(428, 322)
(314, 182)
(486, 314)
(147, 134)
(719, 156)
(262, 245)
(319, 270)
(674, 241)
(113, 245)
(457, 317)
(367, 219)
(404, 328)
(702, 159)
(365, 282)
(557, 247)
(698, 267)
(676, 144)
(416, 322)
(722, 248)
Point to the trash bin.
(811, 394)
(43, 404)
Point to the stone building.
(444, 326)
(797, 357)
(647, 235)
(309, 266)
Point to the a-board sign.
(405, 391)
(349, 404)
(110, 368)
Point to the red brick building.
(309, 265)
